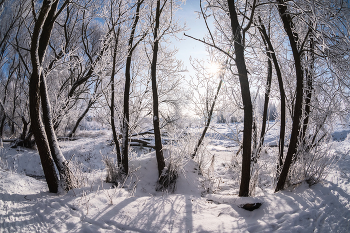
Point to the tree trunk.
(157, 136)
(81, 118)
(60, 160)
(2, 125)
(115, 137)
(34, 101)
(308, 91)
(3, 118)
(25, 129)
(28, 139)
(14, 107)
(282, 93)
(247, 102)
(125, 132)
(293, 38)
(266, 106)
(210, 113)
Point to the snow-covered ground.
(205, 202)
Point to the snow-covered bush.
(114, 174)
(210, 183)
(177, 153)
(80, 178)
(206, 162)
(311, 164)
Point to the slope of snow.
(27, 206)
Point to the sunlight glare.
(213, 68)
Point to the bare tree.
(272, 55)
(238, 37)
(126, 115)
(293, 38)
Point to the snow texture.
(27, 206)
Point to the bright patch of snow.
(27, 206)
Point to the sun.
(213, 68)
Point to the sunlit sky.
(195, 27)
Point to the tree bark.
(14, 108)
(282, 93)
(60, 161)
(293, 38)
(3, 118)
(157, 136)
(24, 129)
(309, 89)
(247, 102)
(266, 106)
(125, 132)
(115, 137)
(34, 101)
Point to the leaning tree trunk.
(293, 38)
(247, 102)
(157, 136)
(60, 161)
(266, 106)
(34, 101)
(77, 123)
(125, 132)
(210, 113)
(282, 93)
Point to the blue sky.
(196, 27)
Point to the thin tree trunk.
(14, 107)
(24, 130)
(247, 102)
(125, 132)
(293, 38)
(2, 125)
(34, 100)
(266, 106)
(309, 89)
(115, 137)
(81, 118)
(28, 139)
(157, 136)
(282, 93)
(210, 113)
(3, 118)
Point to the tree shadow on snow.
(149, 214)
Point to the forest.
(93, 99)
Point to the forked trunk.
(34, 101)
